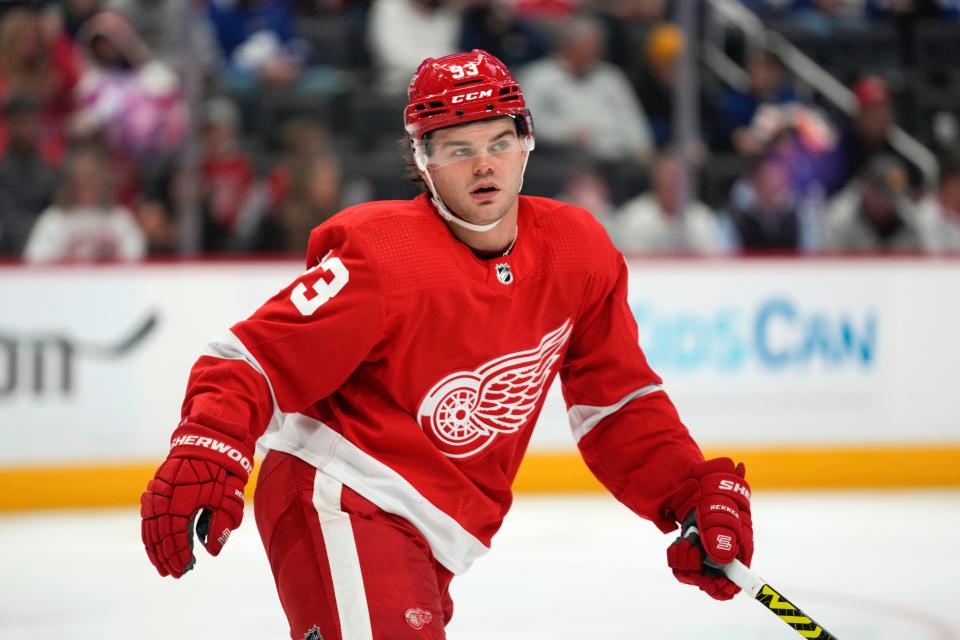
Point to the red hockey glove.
(714, 503)
(204, 471)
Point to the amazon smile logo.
(45, 362)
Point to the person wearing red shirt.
(227, 174)
(38, 58)
(396, 382)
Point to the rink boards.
(819, 373)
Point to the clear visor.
(436, 153)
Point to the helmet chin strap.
(448, 215)
(442, 209)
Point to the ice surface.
(877, 565)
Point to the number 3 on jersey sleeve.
(323, 289)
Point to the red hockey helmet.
(461, 88)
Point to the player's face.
(476, 169)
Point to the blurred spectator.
(159, 226)
(582, 102)
(765, 212)
(658, 223)
(27, 181)
(258, 41)
(125, 94)
(39, 58)
(73, 13)
(173, 30)
(907, 9)
(227, 175)
(631, 10)
(546, 10)
(874, 214)
(868, 133)
(586, 188)
(769, 84)
(327, 7)
(402, 33)
(804, 140)
(623, 20)
(495, 27)
(821, 17)
(85, 223)
(657, 78)
(314, 195)
(301, 139)
(938, 215)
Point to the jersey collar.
(521, 263)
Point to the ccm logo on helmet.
(736, 487)
(473, 95)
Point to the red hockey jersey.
(413, 371)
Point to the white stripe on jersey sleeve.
(229, 347)
(341, 546)
(584, 417)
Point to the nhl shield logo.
(313, 633)
(504, 274)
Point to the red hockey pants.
(345, 569)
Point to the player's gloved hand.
(206, 471)
(714, 503)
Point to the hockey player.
(395, 384)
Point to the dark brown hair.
(411, 173)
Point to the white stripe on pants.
(344, 562)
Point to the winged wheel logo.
(465, 411)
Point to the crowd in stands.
(265, 117)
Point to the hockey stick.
(741, 575)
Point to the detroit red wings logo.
(467, 410)
(416, 618)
